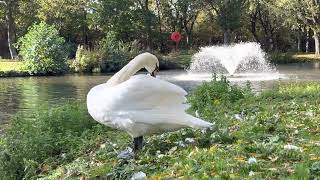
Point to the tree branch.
(3, 2)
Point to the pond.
(28, 93)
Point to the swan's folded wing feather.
(142, 92)
(138, 123)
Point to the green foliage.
(214, 93)
(229, 13)
(116, 53)
(68, 16)
(276, 25)
(49, 138)
(43, 50)
(286, 58)
(87, 60)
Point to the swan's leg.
(137, 143)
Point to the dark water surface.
(28, 93)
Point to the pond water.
(28, 93)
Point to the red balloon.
(176, 37)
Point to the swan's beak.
(154, 73)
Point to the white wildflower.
(252, 160)
(63, 155)
(251, 173)
(181, 144)
(292, 147)
(189, 140)
(238, 117)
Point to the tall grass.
(52, 136)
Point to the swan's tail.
(198, 123)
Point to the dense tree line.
(283, 25)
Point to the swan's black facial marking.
(155, 71)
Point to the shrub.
(87, 60)
(116, 53)
(49, 138)
(43, 50)
(216, 92)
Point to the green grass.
(12, 68)
(176, 60)
(284, 58)
(306, 56)
(247, 126)
(9, 65)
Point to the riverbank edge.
(174, 61)
(168, 62)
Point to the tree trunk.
(316, 42)
(227, 36)
(159, 16)
(253, 29)
(307, 42)
(11, 32)
(148, 24)
(189, 38)
(299, 42)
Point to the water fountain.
(239, 62)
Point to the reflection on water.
(26, 94)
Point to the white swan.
(141, 104)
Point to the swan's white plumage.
(141, 105)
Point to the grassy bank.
(275, 134)
(9, 68)
(285, 58)
(176, 60)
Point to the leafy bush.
(87, 61)
(48, 139)
(43, 50)
(216, 92)
(116, 53)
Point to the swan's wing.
(140, 92)
(143, 92)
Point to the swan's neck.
(125, 73)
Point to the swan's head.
(150, 62)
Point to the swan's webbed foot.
(137, 143)
(128, 153)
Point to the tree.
(116, 16)
(307, 13)
(189, 12)
(265, 23)
(181, 15)
(43, 50)
(68, 16)
(9, 6)
(228, 13)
